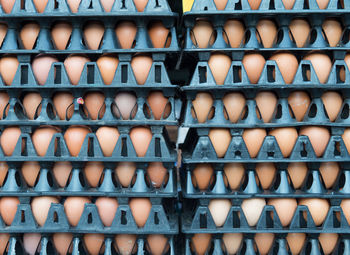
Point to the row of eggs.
(74, 65)
(203, 34)
(93, 244)
(93, 33)
(266, 102)
(94, 105)
(234, 174)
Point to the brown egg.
(95, 104)
(232, 242)
(140, 5)
(318, 208)
(7, 5)
(332, 102)
(126, 244)
(157, 174)
(125, 171)
(31, 243)
(93, 171)
(42, 138)
(140, 209)
(93, 34)
(107, 208)
(297, 172)
(40, 5)
(157, 244)
(288, 65)
(285, 209)
(288, 4)
(61, 171)
(234, 104)
(30, 171)
(253, 64)
(74, 138)
(200, 243)
(220, 4)
(60, 34)
(266, 172)
(345, 136)
(74, 65)
(234, 31)
(234, 172)
(328, 242)
(8, 209)
(4, 238)
(141, 65)
(254, 4)
(9, 138)
(219, 65)
(219, 209)
(264, 242)
(63, 102)
(202, 107)
(159, 105)
(93, 243)
(126, 32)
(141, 138)
(32, 104)
(286, 138)
(252, 209)
(345, 206)
(329, 172)
(107, 5)
(299, 101)
(4, 100)
(253, 139)
(40, 208)
(267, 31)
(73, 5)
(318, 136)
(8, 68)
(107, 64)
(3, 33)
(126, 105)
(29, 34)
(220, 139)
(108, 138)
(62, 242)
(266, 101)
(296, 242)
(159, 34)
(322, 65)
(202, 176)
(3, 172)
(333, 31)
(202, 34)
(322, 4)
(74, 207)
(300, 29)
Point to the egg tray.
(281, 187)
(279, 246)
(160, 149)
(196, 218)
(162, 219)
(77, 184)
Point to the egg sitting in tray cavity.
(318, 136)
(141, 65)
(141, 138)
(202, 34)
(322, 65)
(159, 34)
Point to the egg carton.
(78, 185)
(160, 149)
(281, 185)
(198, 148)
(196, 218)
(162, 219)
(280, 245)
(60, 8)
(46, 246)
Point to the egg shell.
(29, 34)
(63, 102)
(30, 171)
(234, 31)
(253, 139)
(287, 64)
(286, 138)
(319, 137)
(200, 243)
(8, 68)
(157, 173)
(60, 34)
(126, 105)
(254, 4)
(295, 242)
(202, 107)
(318, 208)
(264, 242)
(332, 102)
(141, 65)
(42, 138)
(232, 242)
(95, 104)
(252, 209)
(322, 4)
(220, 4)
(61, 171)
(266, 172)
(31, 242)
(253, 64)
(234, 172)
(297, 172)
(7, 5)
(328, 242)
(73, 5)
(32, 104)
(140, 5)
(126, 33)
(220, 138)
(125, 171)
(8, 209)
(107, 208)
(107, 65)
(9, 139)
(74, 207)
(4, 238)
(108, 138)
(267, 31)
(329, 172)
(300, 29)
(299, 102)
(74, 138)
(140, 209)
(93, 243)
(288, 4)
(107, 5)
(333, 31)
(322, 65)
(234, 104)
(202, 34)
(41, 206)
(345, 206)
(62, 242)
(93, 34)
(4, 100)
(159, 105)
(141, 138)
(202, 176)
(266, 102)
(93, 171)
(345, 136)
(3, 172)
(219, 209)
(219, 65)
(159, 35)
(40, 5)
(157, 244)
(342, 71)
(3, 32)
(74, 65)
(285, 208)
(126, 244)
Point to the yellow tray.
(187, 5)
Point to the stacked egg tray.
(162, 218)
(197, 147)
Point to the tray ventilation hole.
(305, 70)
(271, 73)
(202, 74)
(58, 75)
(89, 218)
(124, 73)
(90, 74)
(55, 217)
(24, 74)
(156, 218)
(23, 216)
(236, 70)
(158, 74)
(203, 220)
(123, 219)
